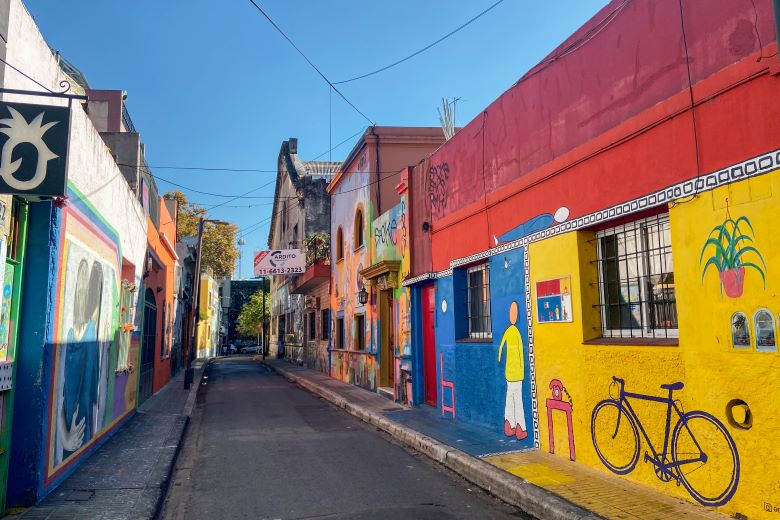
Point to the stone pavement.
(126, 478)
(544, 485)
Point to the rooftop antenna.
(447, 117)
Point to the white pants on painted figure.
(514, 412)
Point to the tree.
(250, 319)
(219, 241)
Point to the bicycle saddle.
(673, 386)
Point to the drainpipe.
(379, 173)
(776, 10)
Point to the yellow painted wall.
(205, 347)
(712, 371)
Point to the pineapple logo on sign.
(33, 154)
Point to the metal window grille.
(636, 280)
(478, 289)
(360, 330)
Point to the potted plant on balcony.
(730, 253)
(317, 247)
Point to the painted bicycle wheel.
(706, 458)
(615, 437)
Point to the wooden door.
(429, 344)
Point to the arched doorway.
(147, 347)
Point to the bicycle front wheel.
(615, 437)
(706, 458)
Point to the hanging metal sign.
(279, 261)
(33, 149)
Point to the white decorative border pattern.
(753, 167)
(531, 357)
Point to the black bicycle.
(700, 453)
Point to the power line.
(416, 53)
(28, 77)
(341, 143)
(237, 170)
(231, 197)
(242, 195)
(329, 82)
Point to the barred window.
(478, 289)
(636, 280)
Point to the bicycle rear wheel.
(617, 444)
(706, 458)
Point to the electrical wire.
(236, 170)
(416, 53)
(589, 35)
(329, 82)
(28, 77)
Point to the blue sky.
(213, 84)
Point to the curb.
(532, 499)
(187, 414)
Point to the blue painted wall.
(34, 350)
(473, 367)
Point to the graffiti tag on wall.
(438, 175)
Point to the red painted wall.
(609, 119)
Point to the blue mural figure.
(514, 414)
(537, 223)
(78, 417)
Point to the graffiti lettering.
(438, 175)
(384, 234)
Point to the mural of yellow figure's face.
(513, 313)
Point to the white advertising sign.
(279, 262)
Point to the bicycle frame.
(658, 459)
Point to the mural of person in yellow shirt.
(514, 415)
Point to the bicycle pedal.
(648, 458)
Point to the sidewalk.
(543, 485)
(126, 478)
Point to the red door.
(429, 344)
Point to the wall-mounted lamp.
(362, 296)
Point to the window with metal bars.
(478, 295)
(636, 280)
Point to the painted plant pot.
(733, 281)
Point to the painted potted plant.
(730, 252)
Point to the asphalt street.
(260, 447)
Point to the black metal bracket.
(63, 95)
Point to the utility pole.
(195, 307)
(262, 314)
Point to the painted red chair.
(446, 384)
(557, 403)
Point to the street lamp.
(195, 307)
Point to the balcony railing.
(127, 120)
